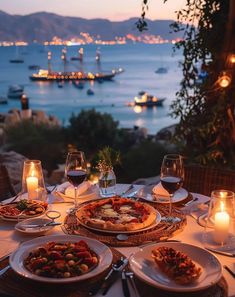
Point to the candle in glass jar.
(221, 225)
(32, 186)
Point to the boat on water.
(16, 61)
(3, 100)
(45, 75)
(145, 99)
(161, 70)
(15, 91)
(90, 92)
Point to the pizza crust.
(118, 213)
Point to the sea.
(139, 61)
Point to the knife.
(125, 287)
(40, 225)
(221, 253)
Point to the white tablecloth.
(10, 239)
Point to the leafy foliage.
(38, 141)
(143, 160)
(91, 130)
(206, 131)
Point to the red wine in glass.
(172, 175)
(76, 171)
(76, 177)
(171, 183)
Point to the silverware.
(221, 252)
(130, 275)
(132, 194)
(115, 273)
(118, 266)
(50, 189)
(127, 190)
(4, 270)
(13, 199)
(229, 270)
(191, 201)
(125, 288)
(40, 225)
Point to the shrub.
(37, 141)
(91, 130)
(141, 161)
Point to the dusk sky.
(110, 9)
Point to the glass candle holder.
(219, 232)
(33, 186)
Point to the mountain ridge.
(43, 26)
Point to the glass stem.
(170, 205)
(75, 197)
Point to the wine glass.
(76, 171)
(172, 176)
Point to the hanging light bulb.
(232, 59)
(224, 80)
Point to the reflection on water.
(140, 62)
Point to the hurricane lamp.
(219, 230)
(33, 187)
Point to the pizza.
(117, 214)
(61, 259)
(23, 208)
(177, 265)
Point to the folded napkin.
(66, 192)
(160, 191)
(82, 188)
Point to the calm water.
(139, 61)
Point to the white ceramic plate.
(145, 268)
(147, 194)
(20, 217)
(91, 193)
(34, 231)
(17, 258)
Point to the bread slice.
(176, 265)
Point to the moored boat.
(45, 75)
(90, 92)
(161, 70)
(3, 100)
(16, 61)
(148, 100)
(15, 91)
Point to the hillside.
(43, 26)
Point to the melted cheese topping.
(126, 218)
(109, 212)
(106, 206)
(125, 208)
